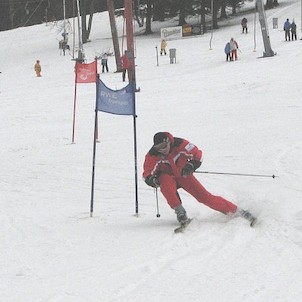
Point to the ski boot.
(181, 214)
(248, 216)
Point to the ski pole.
(238, 174)
(157, 207)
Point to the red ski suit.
(168, 170)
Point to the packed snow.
(246, 116)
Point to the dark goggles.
(161, 146)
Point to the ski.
(248, 216)
(183, 226)
(252, 220)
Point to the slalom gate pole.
(157, 207)
(237, 174)
(74, 109)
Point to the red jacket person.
(170, 164)
(125, 65)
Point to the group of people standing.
(290, 30)
(230, 50)
(124, 61)
(232, 47)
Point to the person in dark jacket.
(286, 28)
(244, 25)
(293, 29)
(170, 164)
(104, 62)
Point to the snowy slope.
(244, 115)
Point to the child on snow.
(104, 62)
(37, 68)
(163, 46)
(234, 47)
(227, 50)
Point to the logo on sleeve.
(189, 147)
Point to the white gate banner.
(171, 33)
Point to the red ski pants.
(234, 54)
(169, 185)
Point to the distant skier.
(293, 29)
(38, 68)
(125, 65)
(244, 25)
(234, 46)
(170, 164)
(227, 50)
(104, 62)
(163, 46)
(286, 28)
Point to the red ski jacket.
(181, 151)
(125, 62)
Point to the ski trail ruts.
(281, 9)
(290, 178)
(184, 246)
(210, 251)
(297, 223)
(150, 270)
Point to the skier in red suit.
(125, 65)
(170, 164)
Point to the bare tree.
(223, 14)
(83, 9)
(203, 15)
(149, 17)
(271, 3)
(137, 13)
(110, 7)
(182, 13)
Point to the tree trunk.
(271, 4)
(83, 20)
(182, 14)
(233, 5)
(138, 18)
(223, 14)
(203, 16)
(148, 30)
(215, 13)
(276, 3)
(11, 13)
(90, 18)
(158, 11)
(117, 54)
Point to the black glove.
(152, 181)
(188, 169)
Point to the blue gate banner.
(121, 102)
